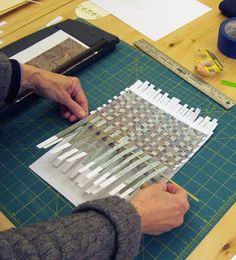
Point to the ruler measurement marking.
(185, 74)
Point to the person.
(108, 228)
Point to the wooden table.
(202, 32)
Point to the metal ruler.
(185, 74)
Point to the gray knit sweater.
(5, 76)
(102, 229)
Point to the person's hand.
(161, 207)
(66, 91)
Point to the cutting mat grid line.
(210, 175)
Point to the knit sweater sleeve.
(102, 229)
(10, 78)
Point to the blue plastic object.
(228, 8)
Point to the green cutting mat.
(210, 175)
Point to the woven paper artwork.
(141, 136)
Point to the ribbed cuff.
(125, 221)
(15, 81)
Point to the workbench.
(204, 32)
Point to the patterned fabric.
(58, 57)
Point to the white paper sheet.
(154, 18)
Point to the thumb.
(74, 107)
(175, 189)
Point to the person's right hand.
(161, 207)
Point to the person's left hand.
(67, 91)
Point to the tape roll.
(227, 38)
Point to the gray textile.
(5, 76)
(102, 229)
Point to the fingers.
(162, 185)
(177, 190)
(76, 109)
(159, 185)
(73, 118)
(75, 103)
(65, 113)
(79, 96)
(82, 100)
